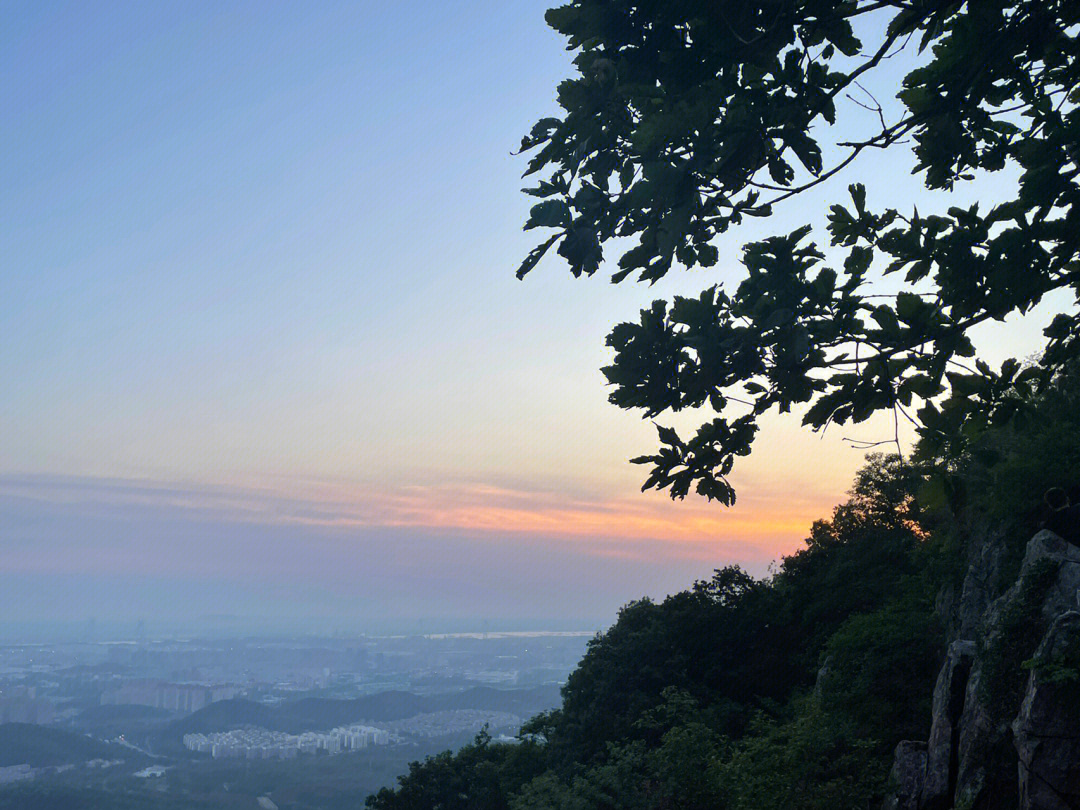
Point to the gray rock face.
(907, 776)
(823, 673)
(986, 764)
(982, 584)
(1047, 730)
(942, 748)
(982, 734)
(1064, 592)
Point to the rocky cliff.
(1006, 704)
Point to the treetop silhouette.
(686, 117)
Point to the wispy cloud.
(764, 523)
(78, 546)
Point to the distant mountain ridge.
(309, 714)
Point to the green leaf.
(549, 214)
(909, 307)
(535, 255)
(886, 318)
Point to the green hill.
(134, 722)
(40, 746)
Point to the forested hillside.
(795, 691)
(40, 746)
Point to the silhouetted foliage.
(686, 117)
(478, 776)
(813, 761)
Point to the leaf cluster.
(686, 117)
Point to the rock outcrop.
(941, 756)
(1046, 733)
(1005, 730)
(907, 776)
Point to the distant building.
(20, 704)
(184, 698)
(259, 743)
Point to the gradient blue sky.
(263, 351)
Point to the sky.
(264, 357)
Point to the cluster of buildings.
(454, 721)
(20, 704)
(259, 743)
(176, 697)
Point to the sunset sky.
(262, 348)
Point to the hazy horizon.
(270, 357)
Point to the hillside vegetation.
(39, 746)
(794, 691)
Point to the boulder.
(1062, 595)
(906, 777)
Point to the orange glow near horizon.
(603, 525)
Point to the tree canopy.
(687, 116)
